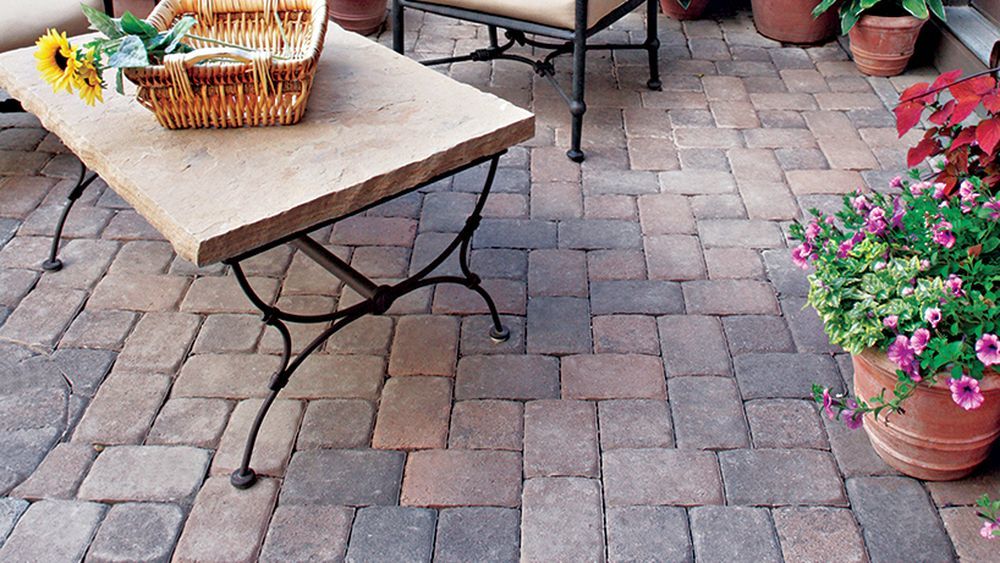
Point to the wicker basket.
(233, 87)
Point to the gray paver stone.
(661, 476)
(10, 510)
(59, 474)
(392, 533)
(314, 533)
(644, 297)
(521, 377)
(648, 533)
(343, 477)
(785, 376)
(817, 533)
(734, 533)
(225, 523)
(708, 413)
(693, 345)
(558, 325)
(274, 442)
(477, 533)
(137, 532)
(337, 423)
(123, 409)
(781, 476)
(53, 530)
(145, 473)
(916, 535)
(187, 421)
(562, 520)
(560, 439)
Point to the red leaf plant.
(967, 150)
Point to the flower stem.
(225, 44)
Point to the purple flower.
(875, 222)
(852, 418)
(845, 249)
(860, 204)
(801, 255)
(933, 316)
(988, 349)
(898, 213)
(939, 189)
(919, 187)
(994, 206)
(896, 182)
(812, 231)
(828, 405)
(892, 321)
(943, 234)
(965, 392)
(954, 284)
(967, 192)
(919, 340)
(901, 353)
(989, 530)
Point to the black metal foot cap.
(498, 336)
(52, 265)
(242, 480)
(576, 155)
(655, 85)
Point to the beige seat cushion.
(555, 13)
(24, 21)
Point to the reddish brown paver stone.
(474, 478)
(814, 534)
(613, 376)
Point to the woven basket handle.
(177, 66)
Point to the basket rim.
(167, 11)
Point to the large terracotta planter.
(882, 46)
(674, 10)
(360, 16)
(791, 21)
(934, 439)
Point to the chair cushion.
(554, 13)
(24, 21)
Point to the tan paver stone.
(635, 423)
(605, 265)
(768, 201)
(222, 294)
(613, 376)
(336, 423)
(560, 439)
(20, 195)
(159, 343)
(53, 530)
(42, 316)
(730, 297)
(661, 476)
(808, 182)
(664, 214)
(848, 154)
(562, 520)
(99, 329)
(487, 425)
(138, 292)
(146, 473)
(625, 334)
(814, 534)
(848, 101)
(123, 408)
(226, 376)
(302, 333)
(424, 345)
(337, 377)
(413, 414)
(475, 478)
(274, 443)
(724, 88)
(228, 333)
(783, 101)
(962, 524)
(187, 421)
(652, 154)
(84, 263)
(779, 139)
(143, 257)
(367, 335)
(227, 524)
(734, 115)
(707, 138)
(695, 182)
(59, 474)
(733, 263)
(674, 257)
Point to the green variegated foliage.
(852, 10)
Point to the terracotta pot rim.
(890, 22)
(989, 384)
(966, 468)
(941, 444)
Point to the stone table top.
(377, 125)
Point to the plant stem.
(225, 44)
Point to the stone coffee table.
(378, 126)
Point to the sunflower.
(90, 83)
(57, 61)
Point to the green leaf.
(180, 30)
(684, 3)
(850, 13)
(937, 7)
(99, 21)
(131, 53)
(119, 83)
(134, 26)
(918, 8)
(823, 7)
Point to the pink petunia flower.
(852, 418)
(965, 392)
(898, 213)
(939, 190)
(933, 316)
(919, 187)
(967, 192)
(845, 249)
(994, 206)
(988, 528)
(812, 231)
(801, 255)
(896, 182)
(828, 405)
(892, 321)
(943, 234)
(860, 204)
(875, 222)
(988, 349)
(919, 340)
(954, 284)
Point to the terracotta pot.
(674, 10)
(882, 46)
(791, 21)
(360, 16)
(934, 439)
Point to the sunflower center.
(61, 60)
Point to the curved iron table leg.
(377, 300)
(53, 263)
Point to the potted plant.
(883, 32)
(791, 21)
(908, 282)
(360, 16)
(684, 9)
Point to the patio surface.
(652, 403)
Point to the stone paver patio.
(652, 403)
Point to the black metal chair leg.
(244, 477)
(577, 106)
(53, 263)
(652, 44)
(397, 27)
(494, 40)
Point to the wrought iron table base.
(377, 300)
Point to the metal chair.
(572, 21)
